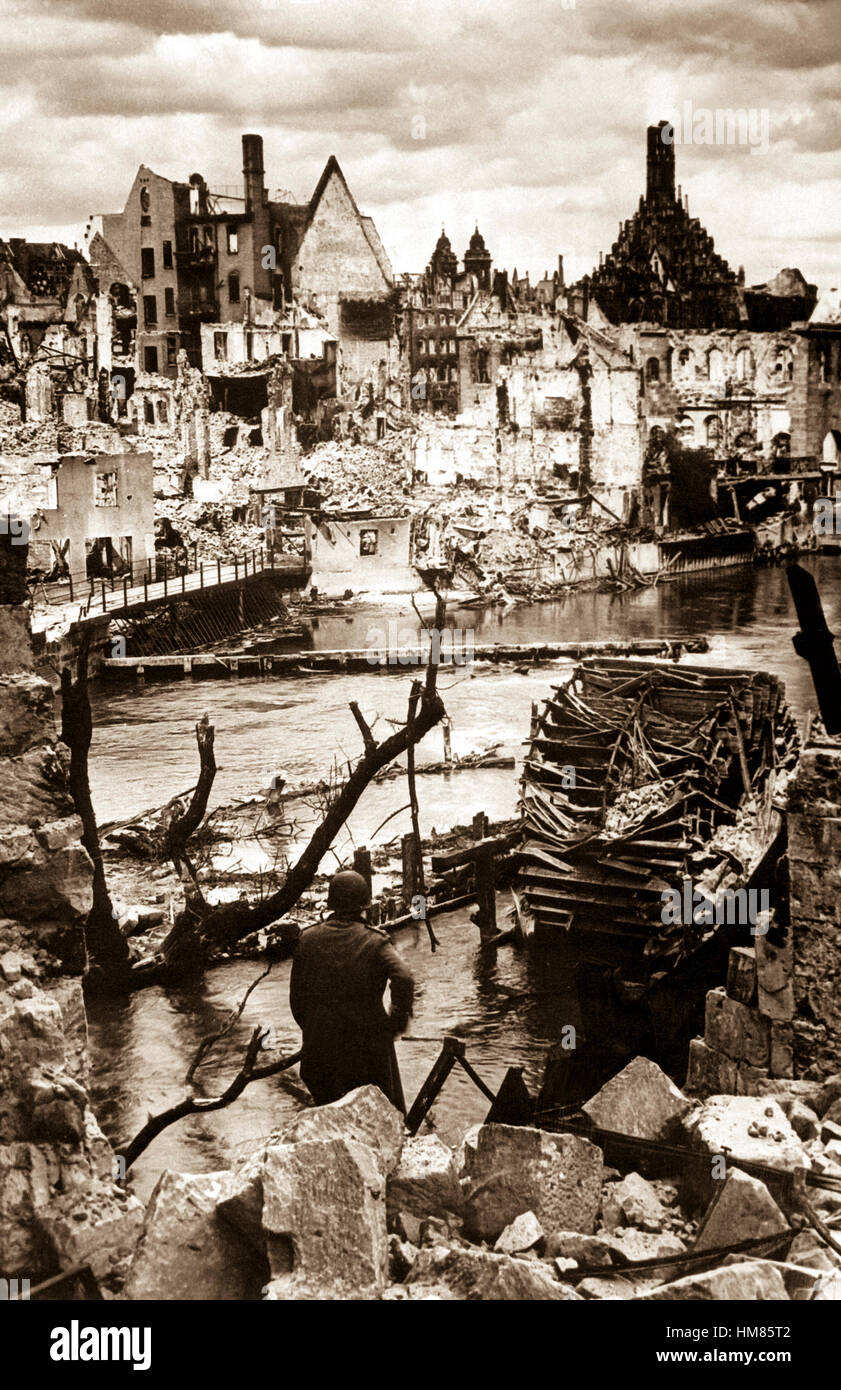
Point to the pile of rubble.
(342, 1205)
(354, 476)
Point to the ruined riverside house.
(225, 422)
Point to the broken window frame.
(369, 542)
(105, 489)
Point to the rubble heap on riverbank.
(341, 1204)
(59, 1202)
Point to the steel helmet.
(348, 892)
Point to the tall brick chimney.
(660, 164)
(252, 172)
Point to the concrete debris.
(753, 1279)
(514, 1170)
(752, 1128)
(524, 1233)
(743, 1209)
(425, 1181)
(572, 1245)
(639, 1203)
(485, 1275)
(628, 1245)
(640, 1100)
(325, 1222)
(185, 1251)
(363, 1115)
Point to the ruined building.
(663, 267)
(201, 256)
(435, 304)
(55, 331)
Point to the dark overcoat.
(339, 973)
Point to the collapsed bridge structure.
(641, 777)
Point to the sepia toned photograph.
(420, 714)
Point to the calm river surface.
(144, 752)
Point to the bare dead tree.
(194, 1105)
(226, 924)
(108, 956)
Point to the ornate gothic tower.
(477, 260)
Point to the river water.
(144, 751)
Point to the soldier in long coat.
(339, 973)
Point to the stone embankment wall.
(780, 1014)
(59, 1203)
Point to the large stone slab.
(364, 1115)
(482, 1275)
(736, 1030)
(517, 1169)
(186, 1251)
(640, 1100)
(742, 1209)
(753, 1128)
(425, 1183)
(750, 1280)
(325, 1220)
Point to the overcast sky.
(527, 116)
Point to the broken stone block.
(26, 1181)
(827, 1288)
(325, 1222)
(639, 1203)
(753, 1279)
(775, 959)
(628, 1246)
(735, 1030)
(186, 1251)
(749, 1079)
(11, 967)
(517, 1169)
(802, 1119)
(741, 975)
(585, 1250)
(98, 1228)
(829, 1130)
(401, 1257)
(425, 1181)
(753, 1128)
(832, 1150)
(709, 1072)
(779, 1006)
(742, 1209)
(809, 1251)
(641, 1100)
(798, 1280)
(524, 1233)
(833, 1112)
(782, 1050)
(827, 1094)
(364, 1115)
(602, 1287)
(481, 1274)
